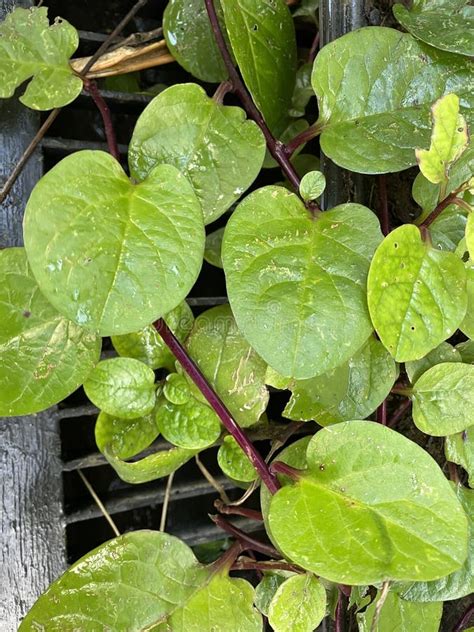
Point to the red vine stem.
(245, 540)
(451, 199)
(464, 620)
(217, 405)
(300, 139)
(93, 90)
(236, 510)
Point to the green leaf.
(157, 465)
(459, 448)
(176, 389)
(288, 275)
(191, 425)
(449, 139)
(443, 399)
(375, 87)
(442, 353)
(446, 24)
(466, 349)
(108, 254)
(307, 9)
(461, 582)
(147, 345)
(234, 463)
(142, 581)
(396, 514)
(43, 356)
(470, 235)
(122, 387)
(359, 597)
(299, 605)
(263, 40)
(267, 588)
(126, 437)
(212, 252)
(190, 39)
(448, 229)
(397, 614)
(351, 391)
(467, 325)
(32, 49)
(312, 185)
(416, 294)
(230, 364)
(213, 145)
(303, 90)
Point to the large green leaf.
(442, 353)
(445, 24)
(125, 437)
(353, 390)
(192, 425)
(43, 356)
(289, 275)
(149, 468)
(374, 506)
(145, 580)
(459, 448)
(214, 146)
(230, 364)
(375, 87)
(443, 399)
(108, 254)
(31, 48)
(416, 294)
(263, 40)
(299, 605)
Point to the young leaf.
(443, 399)
(289, 276)
(213, 145)
(43, 356)
(312, 185)
(176, 389)
(397, 516)
(108, 254)
(263, 40)
(351, 391)
(122, 387)
(442, 353)
(230, 364)
(448, 25)
(141, 581)
(459, 448)
(448, 140)
(299, 605)
(190, 39)
(126, 437)
(416, 294)
(31, 48)
(267, 588)
(375, 87)
(192, 425)
(212, 252)
(397, 614)
(234, 463)
(147, 345)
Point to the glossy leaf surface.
(125, 437)
(467, 325)
(192, 425)
(442, 353)
(157, 465)
(267, 588)
(299, 605)
(234, 463)
(176, 389)
(459, 448)
(312, 185)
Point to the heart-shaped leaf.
(234, 462)
(289, 275)
(299, 605)
(125, 437)
(312, 185)
(443, 399)
(31, 48)
(417, 294)
(43, 356)
(442, 353)
(214, 146)
(108, 254)
(375, 507)
(142, 581)
(192, 425)
(122, 387)
(375, 87)
(459, 448)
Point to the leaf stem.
(245, 564)
(398, 414)
(300, 139)
(383, 212)
(465, 619)
(451, 199)
(91, 87)
(382, 413)
(236, 510)
(217, 405)
(287, 470)
(246, 540)
(313, 51)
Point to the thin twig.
(166, 500)
(222, 89)
(246, 540)
(212, 481)
(398, 414)
(300, 139)
(244, 564)
(451, 199)
(379, 606)
(382, 413)
(99, 503)
(235, 510)
(465, 619)
(91, 87)
(313, 51)
(383, 200)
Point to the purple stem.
(339, 623)
(314, 48)
(382, 413)
(93, 90)
(248, 565)
(217, 405)
(246, 541)
(287, 470)
(464, 620)
(398, 414)
(451, 199)
(236, 510)
(300, 139)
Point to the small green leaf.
(351, 391)
(214, 146)
(126, 437)
(191, 425)
(122, 387)
(303, 90)
(176, 389)
(213, 250)
(145, 580)
(448, 25)
(459, 449)
(466, 349)
(442, 353)
(375, 87)
(416, 294)
(263, 40)
(397, 515)
(397, 615)
(147, 345)
(230, 364)
(157, 465)
(43, 356)
(32, 49)
(467, 325)
(289, 274)
(108, 254)
(267, 588)
(190, 39)
(234, 463)
(312, 185)
(299, 605)
(448, 229)
(443, 399)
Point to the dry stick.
(246, 564)
(464, 620)
(246, 540)
(99, 503)
(91, 87)
(212, 481)
(235, 510)
(166, 500)
(379, 606)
